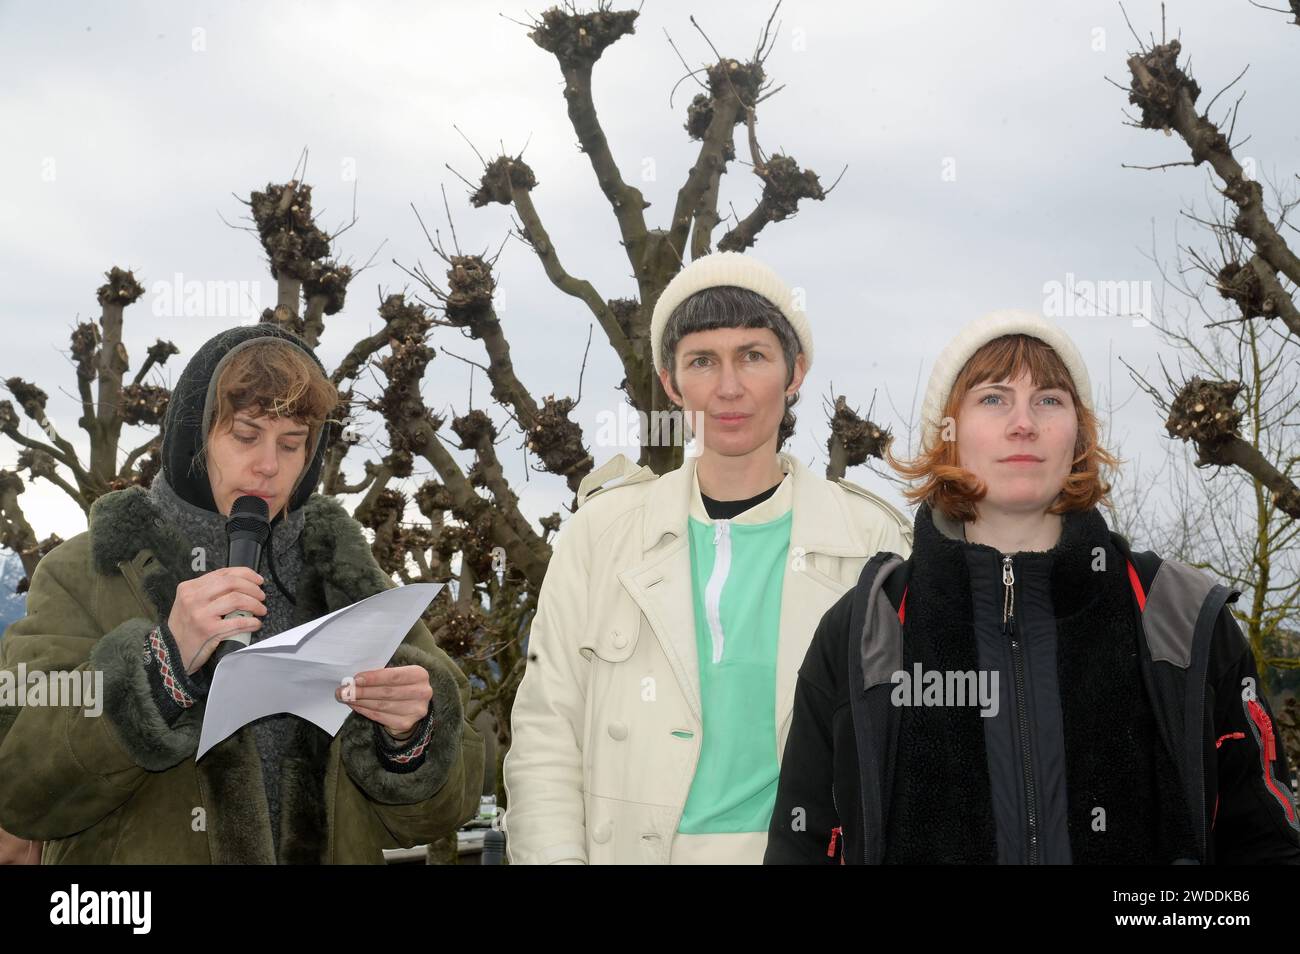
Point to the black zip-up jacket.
(837, 781)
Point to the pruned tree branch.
(853, 439)
(9, 427)
(733, 89)
(577, 41)
(15, 532)
(468, 305)
(784, 184)
(1166, 96)
(1202, 413)
(509, 180)
(413, 430)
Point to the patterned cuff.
(174, 689)
(405, 755)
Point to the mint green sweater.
(737, 573)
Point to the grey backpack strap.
(1178, 620)
(1176, 606)
(873, 656)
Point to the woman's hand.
(196, 620)
(396, 697)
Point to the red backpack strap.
(1136, 583)
(1142, 568)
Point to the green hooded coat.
(124, 787)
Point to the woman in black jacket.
(1024, 689)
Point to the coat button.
(602, 832)
(618, 730)
(619, 640)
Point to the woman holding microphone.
(142, 597)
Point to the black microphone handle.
(224, 648)
(246, 552)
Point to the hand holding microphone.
(203, 612)
(217, 613)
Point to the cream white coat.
(606, 724)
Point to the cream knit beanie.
(741, 271)
(974, 336)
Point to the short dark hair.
(728, 306)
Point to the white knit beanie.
(741, 271)
(974, 336)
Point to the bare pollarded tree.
(469, 530)
(100, 358)
(1220, 518)
(1237, 406)
(1255, 268)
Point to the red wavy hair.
(945, 485)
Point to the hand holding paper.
(396, 697)
(299, 670)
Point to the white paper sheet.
(297, 671)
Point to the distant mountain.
(12, 605)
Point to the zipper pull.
(717, 580)
(1009, 597)
(835, 834)
(1265, 730)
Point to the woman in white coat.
(650, 722)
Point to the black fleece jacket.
(1249, 811)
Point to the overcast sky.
(983, 146)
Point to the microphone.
(247, 529)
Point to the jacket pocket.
(819, 568)
(610, 692)
(625, 832)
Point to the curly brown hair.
(271, 376)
